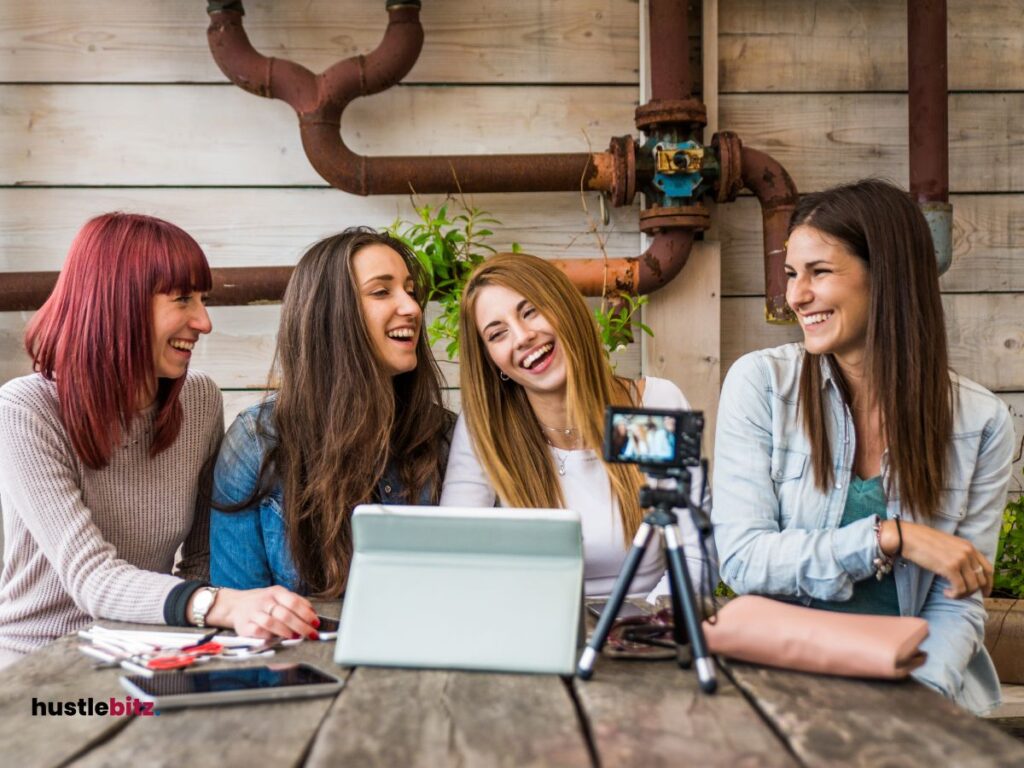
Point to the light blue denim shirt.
(249, 548)
(777, 534)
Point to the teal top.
(866, 498)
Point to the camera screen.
(651, 436)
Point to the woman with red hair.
(102, 447)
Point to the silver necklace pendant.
(558, 455)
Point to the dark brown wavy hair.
(339, 419)
(907, 361)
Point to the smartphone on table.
(272, 682)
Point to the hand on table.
(954, 559)
(268, 612)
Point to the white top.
(587, 490)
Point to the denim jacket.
(249, 548)
(777, 534)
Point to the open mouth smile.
(403, 335)
(539, 359)
(809, 321)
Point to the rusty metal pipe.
(442, 174)
(321, 99)
(928, 109)
(670, 50)
(232, 286)
(237, 286)
(928, 100)
(775, 190)
(657, 266)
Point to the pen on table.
(110, 658)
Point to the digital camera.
(653, 437)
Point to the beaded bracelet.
(882, 562)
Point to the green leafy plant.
(449, 245)
(617, 318)
(1009, 565)
(452, 238)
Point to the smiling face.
(520, 340)
(179, 319)
(829, 288)
(387, 298)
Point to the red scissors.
(185, 657)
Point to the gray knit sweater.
(82, 543)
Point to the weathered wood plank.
(433, 718)
(653, 714)
(837, 722)
(1015, 400)
(820, 45)
(57, 673)
(988, 237)
(221, 135)
(685, 317)
(487, 41)
(253, 227)
(239, 352)
(236, 736)
(824, 139)
(218, 135)
(985, 335)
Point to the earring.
(502, 376)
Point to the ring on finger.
(979, 569)
(270, 611)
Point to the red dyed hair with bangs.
(93, 335)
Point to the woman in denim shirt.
(357, 418)
(855, 471)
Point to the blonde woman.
(535, 384)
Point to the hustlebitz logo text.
(89, 707)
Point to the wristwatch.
(202, 602)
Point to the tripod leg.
(585, 668)
(681, 586)
(684, 654)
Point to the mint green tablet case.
(442, 587)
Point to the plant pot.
(1004, 637)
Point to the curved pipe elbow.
(250, 70)
(775, 190)
(664, 259)
(384, 66)
(654, 268)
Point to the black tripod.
(661, 502)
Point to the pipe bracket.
(623, 190)
(671, 111)
(729, 149)
(692, 217)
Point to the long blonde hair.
(505, 432)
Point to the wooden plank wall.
(110, 106)
(821, 86)
(107, 105)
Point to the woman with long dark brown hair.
(356, 417)
(101, 450)
(856, 471)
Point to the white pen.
(115, 658)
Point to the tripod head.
(679, 497)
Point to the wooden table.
(631, 713)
